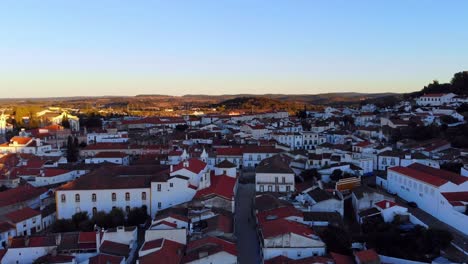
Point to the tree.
(72, 149)
(65, 122)
(117, 217)
(102, 219)
(79, 217)
(63, 225)
(336, 175)
(310, 174)
(337, 240)
(137, 216)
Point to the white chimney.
(171, 168)
(98, 238)
(186, 164)
(387, 204)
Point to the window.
(114, 197)
(159, 205)
(94, 210)
(284, 179)
(171, 184)
(259, 157)
(77, 198)
(63, 198)
(93, 197)
(288, 188)
(143, 196)
(127, 196)
(276, 179)
(277, 188)
(159, 187)
(127, 209)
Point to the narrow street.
(246, 232)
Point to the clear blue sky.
(65, 48)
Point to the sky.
(93, 48)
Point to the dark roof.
(265, 202)
(114, 248)
(119, 177)
(322, 216)
(368, 212)
(319, 195)
(275, 164)
(225, 164)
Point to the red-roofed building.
(161, 249)
(115, 157)
(435, 99)
(7, 230)
(106, 259)
(27, 221)
(290, 239)
(426, 186)
(19, 144)
(368, 256)
(192, 168)
(285, 212)
(220, 193)
(210, 250)
(22, 196)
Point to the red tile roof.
(367, 256)
(105, 259)
(173, 225)
(444, 174)
(110, 154)
(118, 177)
(5, 226)
(20, 140)
(54, 172)
(22, 214)
(152, 244)
(171, 252)
(221, 185)
(278, 213)
(341, 259)
(87, 237)
(194, 165)
(383, 204)
(281, 226)
(456, 196)
(229, 151)
(420, 176)
(209, 244)
(20, 194)
(278, 260)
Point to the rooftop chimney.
(387, 204)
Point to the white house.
(211, 250)
(119, 158)
(7, 231)
(435, 99)
(26, 220)
(290, 239)
(426, 187)
(274, 175)
(125, 187)
(25, 250)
